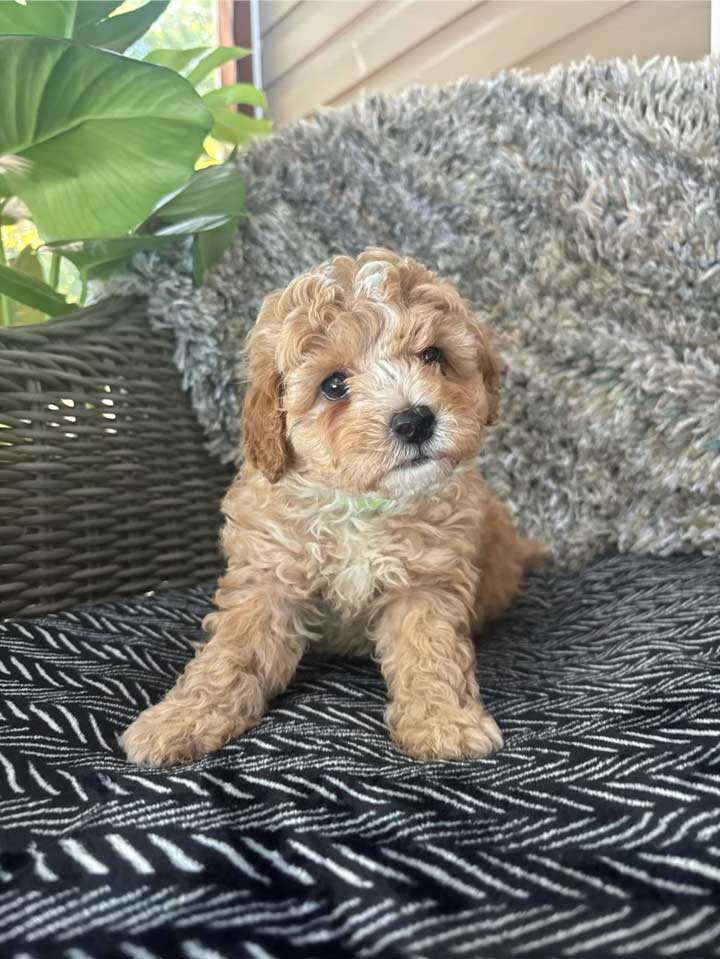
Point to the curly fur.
(406, 581)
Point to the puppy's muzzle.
(414, 425)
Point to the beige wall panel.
(308, 27)
(490, 38)
(329, 51)
(680, 29)
(273, 10)
(373, 39)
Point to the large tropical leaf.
(51, 18)
(196, 62)
(192, 225)
(235, 93)
(215, 59)
(32, 292)
(216, 190)
(105, 136)
(178, 60)
(120, 32)
(237, 128)
(85, 20)
(211, 236)
(88, 12)
(95, 258)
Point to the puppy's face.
(368, 375)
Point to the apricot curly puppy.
(359, 523)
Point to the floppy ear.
(489, 363)
(263, 420)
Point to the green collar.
(364, 504)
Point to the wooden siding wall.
(325, 52)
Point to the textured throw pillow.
(579, 213)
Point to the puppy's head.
(368, 375)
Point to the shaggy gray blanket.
(579, 213)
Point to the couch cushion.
(596, 832)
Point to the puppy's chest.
(355, 559)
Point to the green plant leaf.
(27, 262)
(175, 59)
(209, 246)
(32, 292)
(120, 32)
(213, 199)
(236, 93)
(88, 12)
(192, 225)
(105, 136)
(51, 18)
(216, 190)
(94, 258)
(98, 257)
(237, 128)
(215, 59)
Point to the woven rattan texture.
(105, 486)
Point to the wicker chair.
(105, 487)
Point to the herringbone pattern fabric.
(595, 833)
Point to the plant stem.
(83, 288)
(5, 308)
(54, 270)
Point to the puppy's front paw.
(469, 733)
(165, 737)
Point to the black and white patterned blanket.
(595, 833)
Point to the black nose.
(414, 425)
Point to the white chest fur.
(356, 556)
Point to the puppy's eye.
(334, 386)
(431, 355)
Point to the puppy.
(358, 523)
